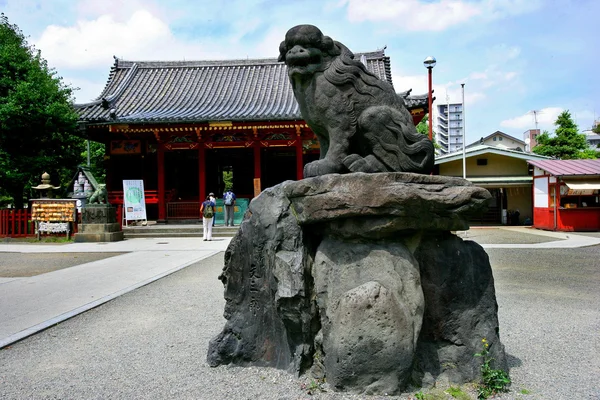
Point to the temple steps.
(176, 230)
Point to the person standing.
(229, 202)
(207, 209)
(214, 200)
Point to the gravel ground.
(17, 265)
(151, 343)
(501, 236)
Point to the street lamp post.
(464, 130)
(429, 63)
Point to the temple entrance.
(182, 175)
(236, 163)
(182, 185)
(277, 165)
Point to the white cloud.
(93, 43)
(402, 83)
(87, 90)
(416, 15)
(269, 45)
(545, 119)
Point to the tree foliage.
(37, 120)
(97, 164)
(423, 128)
(566, 143)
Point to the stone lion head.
(306, 50)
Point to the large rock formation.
(358, 278)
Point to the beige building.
(501, 140)
(505, 173)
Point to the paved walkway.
(564, 240)
(28, 305)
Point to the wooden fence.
(16, 223)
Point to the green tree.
(423, 128)
(566, 143)
(37, 120)
(97, 166)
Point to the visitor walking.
(229, 202)
(207, 209)
(214, 200)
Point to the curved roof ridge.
(118, 91)
(240, 89)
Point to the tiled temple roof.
(195, 91)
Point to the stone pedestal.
(98, 224)
(357, 278)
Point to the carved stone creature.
(361, 123)
(100, 196)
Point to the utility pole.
(464, 129)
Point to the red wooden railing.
(115, 197)
(16, 223)
(183, 210)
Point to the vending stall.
(566, 195)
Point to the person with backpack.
(229, 202)
(207, 209)
(214, 200)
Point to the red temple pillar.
(202, 172)
(160, 151)
(299, 162)
(256, 160)
(256, 149)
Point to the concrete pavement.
(565, 240)
(28, 305)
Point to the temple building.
(185, 127)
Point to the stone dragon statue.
(361, 123)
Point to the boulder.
(371, 306)
(358, 278)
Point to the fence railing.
(16, 223)
(183, 210)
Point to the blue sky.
(514, 56)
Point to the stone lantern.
(45, 187)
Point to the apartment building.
(449, 127)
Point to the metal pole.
(430, 105)
(448, 122)
(556, 188)
(464, 138)
(88, 153)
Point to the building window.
(482, 161)
(494, 138)
(500, 138)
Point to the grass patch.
(457, 393)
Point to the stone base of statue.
(99, 224)
(358, 278)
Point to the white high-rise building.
(449, 127)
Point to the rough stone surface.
(98, 214)
(382, 205)
(371, 305)
(271, 317)
(99, 228)
(336, 274)
(98, 224)
(460, 309)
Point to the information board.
(134, 202)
